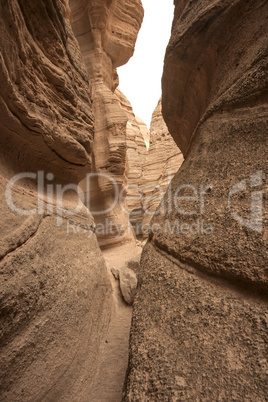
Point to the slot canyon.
(133, 260)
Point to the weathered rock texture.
(46, 113)
(121, 138)
(199, 330)
(163, 160)
(106, 32)
(144, 130)
(55, 301)
(137, 134)
(128, 284)
(150, 166)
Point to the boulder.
(128, 284)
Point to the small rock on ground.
(128, 284)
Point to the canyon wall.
(122, 166)
(136, 135)
(55, 302)
(106, 32)
(199, 328)
(162, 161)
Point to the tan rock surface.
(55, 305)
(57, 338)
(45, 105)
(148, 169)
(135, 159)
(199, 330)
(162, 161)
(128, 284)
(55, 302)
(106, 32)
(144, 130)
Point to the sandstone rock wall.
(45, 97)
(120, 137)
(136, 135)
(106, 32)
(55, 301)
(149, 168)
(163, 160)
(199, 329)
(144, 130)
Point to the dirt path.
(114, 351)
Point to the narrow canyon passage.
(114, 350)
(81, 178)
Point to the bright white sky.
(140, 78)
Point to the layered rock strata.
(55, 301)
(150, 165)
(144, 130)
(137, 134)
(106, 32)
(46, 109)
(199, 329)
(162, 161)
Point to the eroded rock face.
(162, 161)
(45, 97)
(199, 329)
(136, 135)
(55, 299)
(106, 32)
(144, 130)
